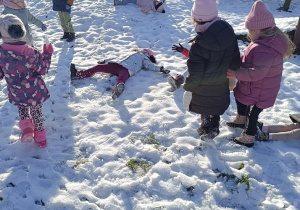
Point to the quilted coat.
(60, 5)
(135, 62)
(260, 76)
(212, 52)
(23, 75)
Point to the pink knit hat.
(204, 10)
(259, 17)
(14, 4)
(150, 52)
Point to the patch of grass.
(108, 89)
(131, 139)
(79, 162)
(227, 176)
(136, 165)
(151, 139)
(244, 179)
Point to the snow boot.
(27, 130)
(261, 135)
(71, 37)
(118, 90)
(211, 134)
(245, 140)
(40, 138)
(295, 118)
(73, 71)
(65, 36)
(175, 82)
(238, 122)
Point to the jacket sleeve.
(185, 52)
(196, 66)
(43, 62)
(1, 73)
(236, 58)
(147, 64)
(262, 63)
(34, 20)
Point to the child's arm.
(181, 49)
(147, 64)
(33, 20)
(44, 60)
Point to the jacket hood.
(277, 42)
(218, 36)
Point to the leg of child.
(283, 132)
(37, 117)
(252, 120)
(23, 112)
(65, 21)
(124, 2)
(109, 68)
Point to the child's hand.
(164, 71)
(230, 74)
(44, 27)
(68, 7)
(177, 48)
(48, 49)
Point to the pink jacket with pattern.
(260, 76)
(23, 67)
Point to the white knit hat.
(12, 28)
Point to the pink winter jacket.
(146, 5)
(260, 76)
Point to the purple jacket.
(23, 72)
(260, 76)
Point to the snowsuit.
(284, 132)
(23, 67)
(123, 67)
(213, 51)
(64, 14)
(259, 78)
(26, 17)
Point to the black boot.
(71, 37)
(73, 71)
(65, 36)
(211, 127)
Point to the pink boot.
(40, 138)
(27, 130)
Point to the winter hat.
(259, 17)
(150, 52)
(11, 28)
(159, 6)
(204, 10)
(14, 4)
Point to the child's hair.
(267, 32)
(152, 59)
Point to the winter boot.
(73, 71)
(71, 37)
(245, 140)
(175, 82)
(118, 90)
(65, 36)
(262, 135)
(295, 118)
(238, 122)
(27, 130)
(40, 138)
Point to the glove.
(48, 49)
(186, 99)
(177, 48)
(44, 27)
(230, 74)
(68, 6)
(164, 71)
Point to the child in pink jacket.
(146, 5)
(23, 67)
(260, 76)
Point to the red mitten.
(48, 49)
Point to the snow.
(92, 139)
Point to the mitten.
(48, 49)
(68, 7)
(177, 48)
(186, 99)
(164, 71)
(44, 27)
(230, 74)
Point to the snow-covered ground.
(142, 151)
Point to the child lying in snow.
(123, 68)
(146, 5)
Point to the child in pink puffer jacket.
(22, 66)
(146, 5)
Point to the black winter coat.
(212, 53)
(60, 5)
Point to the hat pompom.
(16, 31)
